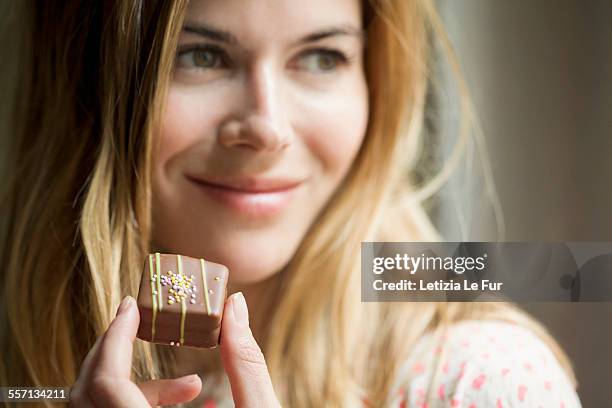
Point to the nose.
(258, 124)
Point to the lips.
(249, 196)
(250, 184)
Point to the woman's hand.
(104, 380)
(242, 358)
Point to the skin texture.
(262, 106)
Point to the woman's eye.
(322, 61)
(202, 58)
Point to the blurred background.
(540, 76)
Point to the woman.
(272, 137)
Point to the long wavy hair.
(77, 206)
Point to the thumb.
(171, 391)
(242, 358)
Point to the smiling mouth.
(250, 185)
(251, 197)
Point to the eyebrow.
(216, 34)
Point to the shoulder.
(485, 363)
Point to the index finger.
(115, 354)
(242, 358)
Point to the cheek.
(177, 121)
(185, 124)
(333, 127)
(178, 130)
(182, 127)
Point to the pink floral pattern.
(484, 364)
(480, 364)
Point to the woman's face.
(265, 113)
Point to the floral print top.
(478, 364)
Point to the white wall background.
(540, 73)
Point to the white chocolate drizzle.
(183, 306)
(153, 297)
(205, 283)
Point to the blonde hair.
(79, 202)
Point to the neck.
(262, 300)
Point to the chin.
(249, 260)
(244, 274)
(250, 264)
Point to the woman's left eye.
(321, 61)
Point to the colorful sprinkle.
(180, 286)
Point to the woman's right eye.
(205, 58)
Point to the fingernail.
(125, 304)
(189, 379)
(241, 313)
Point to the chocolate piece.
(181, 300)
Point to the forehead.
(263, 20)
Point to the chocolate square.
(181, 300)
